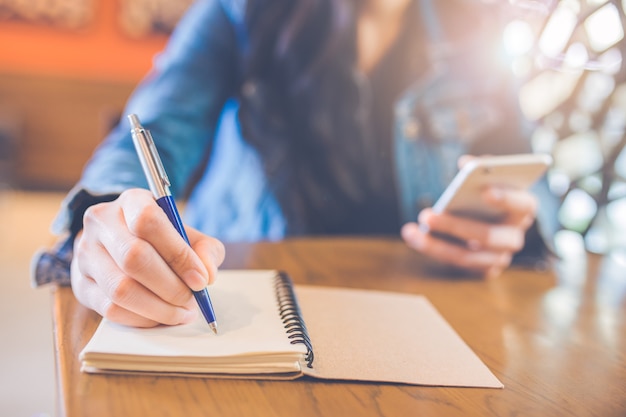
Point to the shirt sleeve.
(180, 102)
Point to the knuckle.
(123, 290)
(94, 213)
(181, 296)
(132, 194)
(81, 245)
(179, 258)
(134, 256)
(146, 220)
(110, 311)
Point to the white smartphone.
(463, 196)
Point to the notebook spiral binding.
(290, 315)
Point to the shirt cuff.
(53, 265)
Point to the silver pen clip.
(149, 157)
(156, 158)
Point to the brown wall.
(55, 124)
(98, 50)
(60, 89)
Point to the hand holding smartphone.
(463, 196)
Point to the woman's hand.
(131, 266)
(482, 248)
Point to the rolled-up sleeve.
(179, 101)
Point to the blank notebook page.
(248, 323)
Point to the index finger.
(149, 222)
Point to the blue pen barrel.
(202, 297)
(169, 207)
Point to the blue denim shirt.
(188, 102)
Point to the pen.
(160, 186)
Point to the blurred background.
(66, 70)
(68, 66)
(568, 56)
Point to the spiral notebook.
(272, 329)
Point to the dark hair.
(300, 96)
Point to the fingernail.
(422, 218)
(195, 279)
(409, 232)
(189, 316)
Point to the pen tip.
(213, 327)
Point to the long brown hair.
(299, 100)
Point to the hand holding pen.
(160, 186)
(131, 266)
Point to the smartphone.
(463, 196)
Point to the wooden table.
(556, 339)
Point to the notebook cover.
(386, 337)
